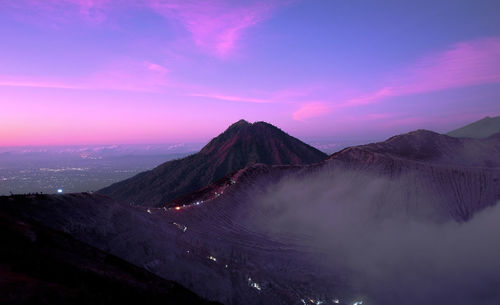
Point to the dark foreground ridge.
(242, 144)
(40, 265)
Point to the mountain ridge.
(240, 145)
(426, 155)
(428, 146)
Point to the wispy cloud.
(463, 64)
(290, 95)
(311, 110)
(33, 82)
(368, 98)
(124, 74)
(129, 75)
(231, 98)
(215, 26)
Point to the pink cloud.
(317, 109)
(129, 75)
(290, 95)
(215, 26)
(124, 74)
(231, 98)
(466, 63)
(311, 110)
(463, 64)
(369, 98)
(33, 82)
(156, 68)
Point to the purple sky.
(151, 71)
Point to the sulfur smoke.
(393, 250)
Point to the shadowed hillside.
(40, 265)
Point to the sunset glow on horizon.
(153, 71)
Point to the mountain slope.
(40, 265)
(240, 145)
(479, 129)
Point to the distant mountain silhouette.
(479, 129)
(242, 144)
(429, 147)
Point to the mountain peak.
(240, 123)
(242, 134)
(240, 145)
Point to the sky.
(155, 71)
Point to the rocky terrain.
(40, 265)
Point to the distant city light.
(183, 228)
(177, 208)
(212, 258)
(59, 191)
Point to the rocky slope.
(40, 265)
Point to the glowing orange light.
(177, 208)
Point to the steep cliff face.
(242, 144)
